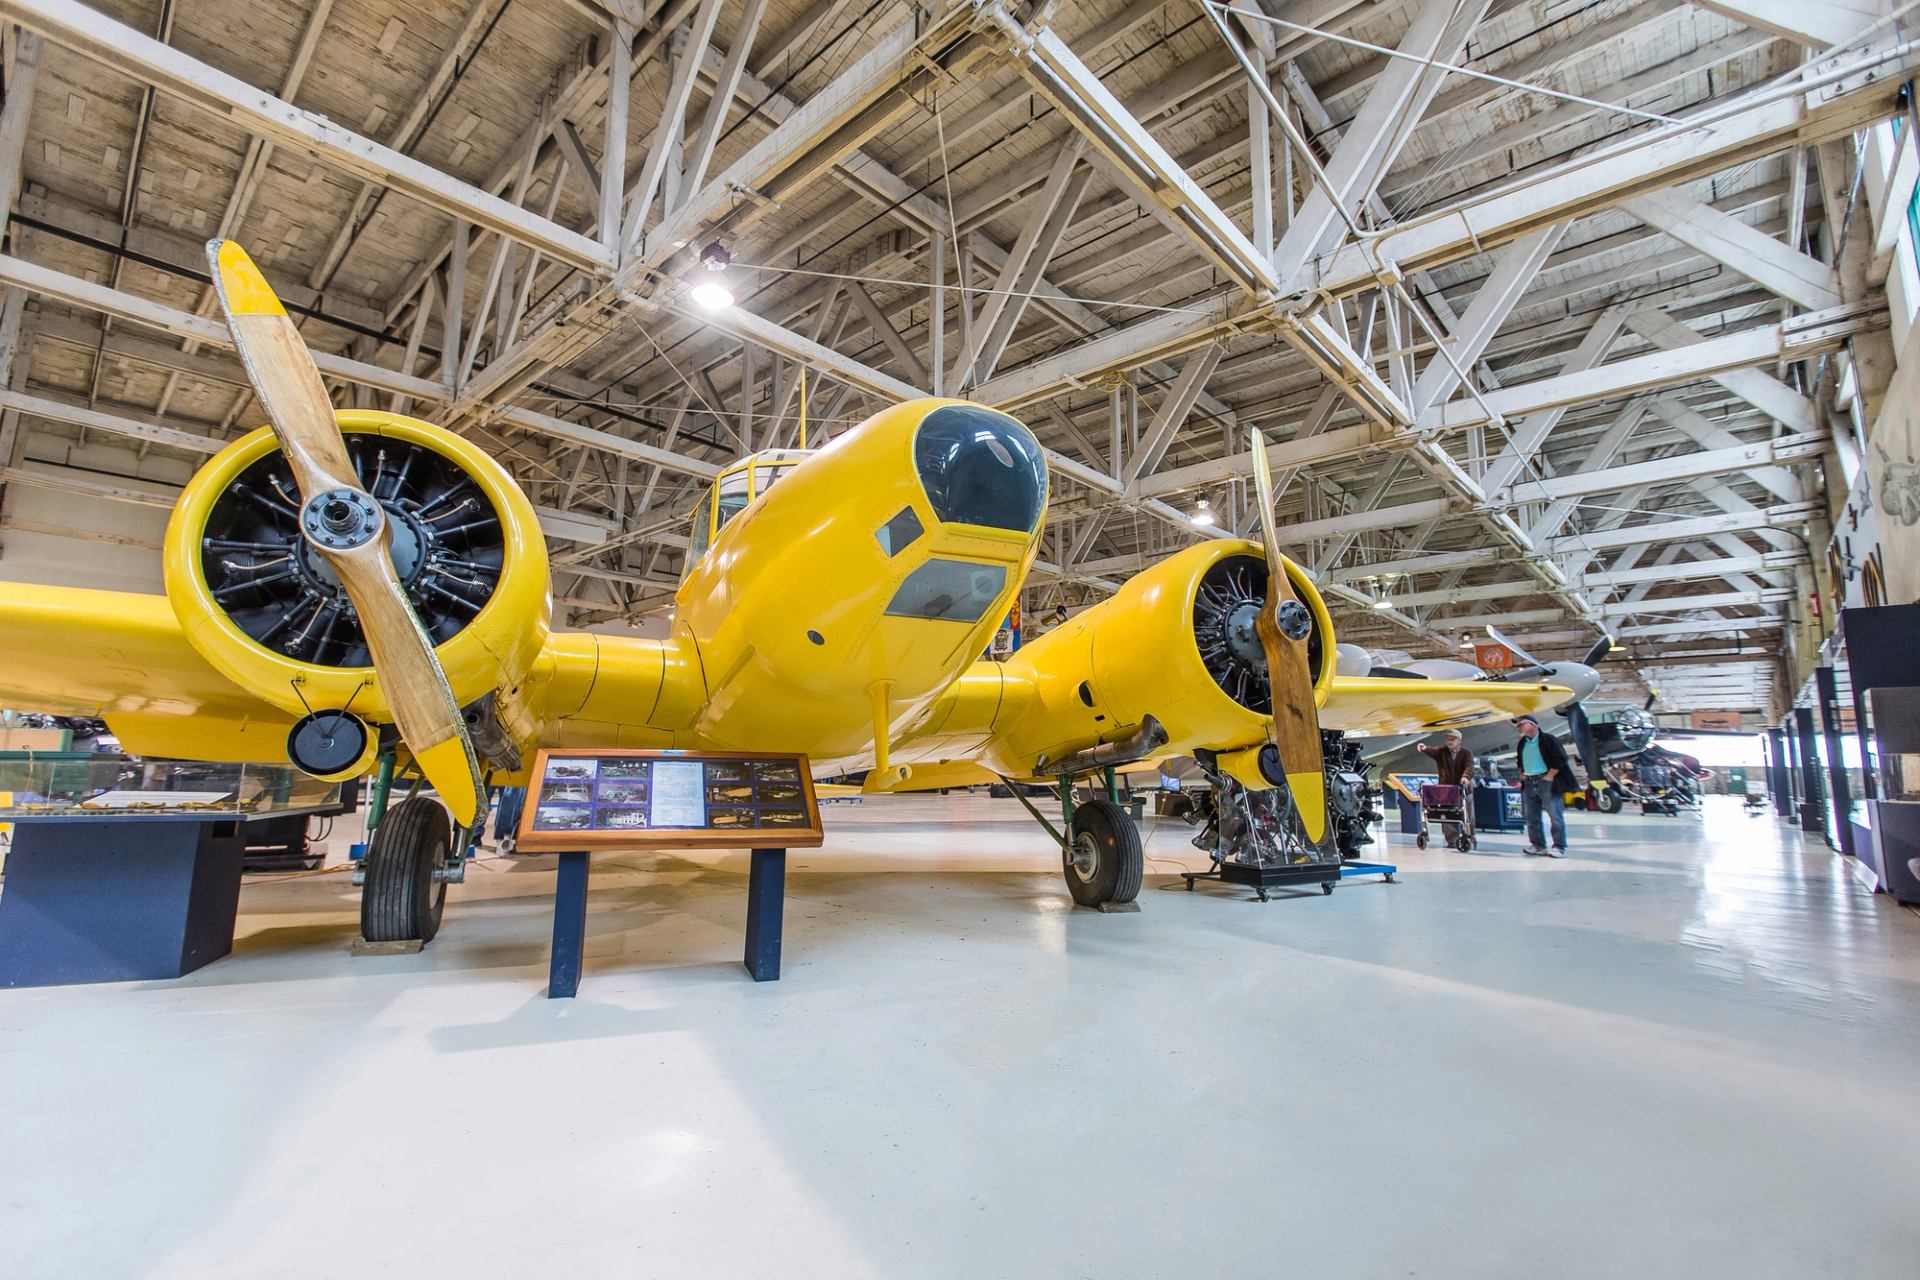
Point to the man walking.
(1454, 763)
(1543, 765)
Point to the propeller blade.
(1598, 654)
(345, 524)
(1581, 729)
(1514, 645)
(1283, 630)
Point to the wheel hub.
(1083, 855)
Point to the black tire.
(1610, 801)
(1326, 887)
(1421, 840)
(1103, 861)
(400, 901)
(1464, 844)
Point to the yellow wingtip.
(448, 768)
(242, 288)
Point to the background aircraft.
(342, 585)
(1598, 731)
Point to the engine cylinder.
(265, 609)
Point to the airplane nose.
(981, 467)
(1577, 676)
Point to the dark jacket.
(1552, 753)
(1452, 766)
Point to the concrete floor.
(1691, 1049)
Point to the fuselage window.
(949, 590)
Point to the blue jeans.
(506, 811)
(1536, 793)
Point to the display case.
(90, 788)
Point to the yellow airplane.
(344, 583)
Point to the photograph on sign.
(620, 768)
(562, 817)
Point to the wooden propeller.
(1283, 634)
(348, 528)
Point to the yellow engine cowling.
(1099, 675)
(475, 566)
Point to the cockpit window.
(980, 466)
(732, 497)
(697, 536)
(900, 532)
(949, 590)
(764, 476)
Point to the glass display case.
(89, 788)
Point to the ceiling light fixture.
(1204, 516)
(711, 294)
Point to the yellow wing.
(122, 657)
(1376, 706)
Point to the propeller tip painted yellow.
(243, 290)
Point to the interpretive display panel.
(651, 799)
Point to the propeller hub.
(1295, 622)
(1243, 634)
(404, 549)
(341, 519)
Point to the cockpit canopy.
(981, 467)
(732, 490)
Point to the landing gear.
(403, 897)
(1102, 859)
(413, 853)
(1101, 855)
(1609, 800)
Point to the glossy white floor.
(1691, 1049)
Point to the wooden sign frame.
(529, 840)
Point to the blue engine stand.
(1385, 870)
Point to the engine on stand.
(1256, 838)
(1353, 802)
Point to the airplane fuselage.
(846, 596)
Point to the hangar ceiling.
(1554, 312)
